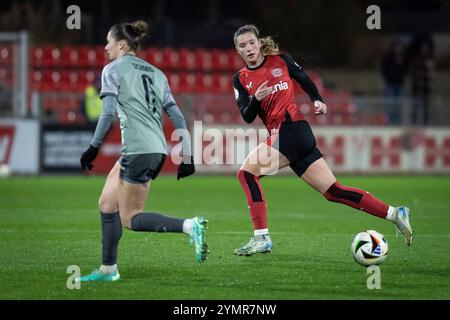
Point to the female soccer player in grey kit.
(139, 92)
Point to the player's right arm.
(248, 106)
(108, 94)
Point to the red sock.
(255, 199)
(357, 198)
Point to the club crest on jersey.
(277, 72)
(280, 86)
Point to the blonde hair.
(268, 45)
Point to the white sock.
(108, 269)
(261, 232)
(391, 214)
(188, 225)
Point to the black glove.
(186, 169)
(88, 157)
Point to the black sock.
(111, 234)
(155, 222)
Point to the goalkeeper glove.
(88, 157)
(186, 169)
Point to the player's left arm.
(298, 73)
(186, 167)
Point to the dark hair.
(268, 46)
(132, 33)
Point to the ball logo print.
(369, 248)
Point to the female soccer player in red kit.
(264, 88)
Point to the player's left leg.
(134, 187)
(132, 199)
(111, 229)
(321, 178)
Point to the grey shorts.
(140, 168)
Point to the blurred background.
(387, 90)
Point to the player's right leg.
(263, 160)
(111, 229)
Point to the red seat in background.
(174, 82)
(224, 83)
(205, 83)
(41, 57)
(155, 56)
(189, 82)
(172, 59)
(6, 53)
(188, 60)
(182, 82)
(70, 56)
(221, 60)
(101, 58)
(70, 81)
(236, 61)
(90, 57)
(6, 75)
(204, 57)
(142, 53)
(47, 81)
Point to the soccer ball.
(5, 171)
(369, 248)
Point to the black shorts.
(140, 168)
(295, 140)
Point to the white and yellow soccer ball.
(369, 248)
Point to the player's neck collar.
(259, 65)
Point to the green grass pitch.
(50, 223)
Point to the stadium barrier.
(62, 146)
(362, 150)
(221, 149)
(19, 145)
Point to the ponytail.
(269, 47)
(132, 33)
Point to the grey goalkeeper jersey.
(142, 93)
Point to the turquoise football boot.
(198, 239)
(96, 275)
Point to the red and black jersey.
(280, 105)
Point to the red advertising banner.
(6, 142)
